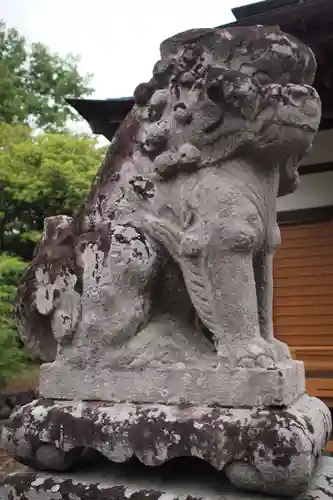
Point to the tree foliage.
(35, 83)
(41, 175)
(12, 357)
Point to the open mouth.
(305, 127)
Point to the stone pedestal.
(176, 384)
(132, 482)
(273, 451)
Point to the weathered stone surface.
(273, 451)
(154, 305)
(135, 483)
(181, 385)
(168, 265)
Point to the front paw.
(256, 354)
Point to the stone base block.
(133, 483)
(269, 450)
(193, 386)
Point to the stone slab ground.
(133, 481)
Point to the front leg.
(263, 272)
(221, 285)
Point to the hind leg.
(117, 287)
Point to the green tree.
(35, 82)
(41, 175)
(13, 358)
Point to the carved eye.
(297, 94)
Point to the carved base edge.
(128, 485)
(193, 386)
(273, 451)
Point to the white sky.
(118, 41)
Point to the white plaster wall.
(315, 190)
(322, 149)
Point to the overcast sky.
(118, 41)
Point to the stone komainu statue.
(170, 258)
(154, 305)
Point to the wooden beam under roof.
(103, 115)
(282, 13)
